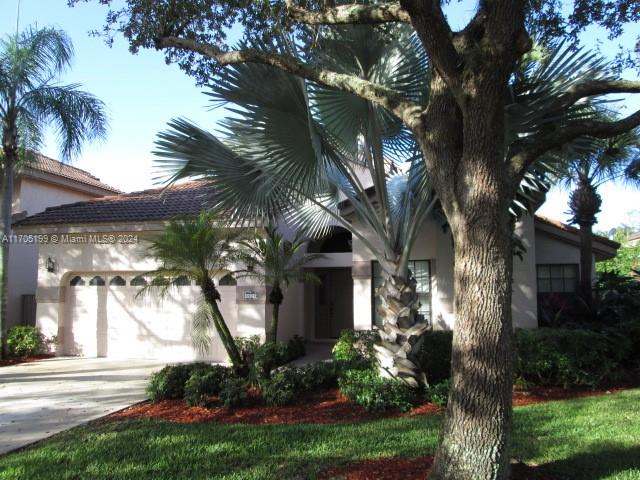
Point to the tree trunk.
(9, 146)
(400, 335)
(275, 299)
(586, 272)
(477, 425)
(212, 297)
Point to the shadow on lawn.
(600, 461)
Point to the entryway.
(333, 302)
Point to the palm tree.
(332, 155)
(610, 160)
(277, 262)
(31, 63)
(197, 249)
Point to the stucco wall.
(32, 196)
(113, 321)
(435, 244)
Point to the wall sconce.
(51, 265)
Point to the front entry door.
(333, 302)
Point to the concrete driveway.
(45, 397)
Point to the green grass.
(590, 438)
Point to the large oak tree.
(461, 132)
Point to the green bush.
(204, 383)
(367, 388)
(169, 383)
(270, 356)
(434, 357)
(234, 392)
(439, 393)
(24, 340)
(355, 347)
(570, 357)
(281, 389)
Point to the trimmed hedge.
(169, 383)
(367, 388)
(205, 383)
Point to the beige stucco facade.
(113, 320)
(34, 192)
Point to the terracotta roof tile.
(184, 199)
(54, 167)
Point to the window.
(97, 281)
(421, 270)
(560, 278)
(138, 281)
(77, 281)
(227, 280)
(182, 281)
(117, 281)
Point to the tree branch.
(593, 88)
(542, 143)
(349, 14)
(406, 110)
(437, 38)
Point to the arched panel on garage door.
(112, 320)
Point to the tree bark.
(400, 335)
(586, 265)
(477, 425)
(10, 148)
(275, 299)
(212, 297)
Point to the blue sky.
(142, 94)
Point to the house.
(633, 239)
(92, 263)
(41, 183)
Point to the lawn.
(587, 438)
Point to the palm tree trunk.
(275, 299)
(586, 265)
(9, 145)
(400, 335)
(212, 297)
(585, 203)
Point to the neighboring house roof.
(148, 205)
(633, 237)
(43, 165)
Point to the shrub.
(270, 356)
(367, 388)
(281, 389)
(439, 393)
(234, 392)
(434, 357)
(169, 383)
(204, 383)
(25, 340)
(355, 347)
(569, 357)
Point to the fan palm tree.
(198, 249)
(334, 158)
(31, 63)
(611, 160)
(277, 262)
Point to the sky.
(142, 94)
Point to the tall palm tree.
(333, 158)
(31, 99)
(198, 249)
(277, 262)
(611, 160)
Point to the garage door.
(105, 316)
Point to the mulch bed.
(410, 468)
(17, 360)
(324, 407)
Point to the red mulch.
(17, 360)
(412, 468)
(324, 407)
